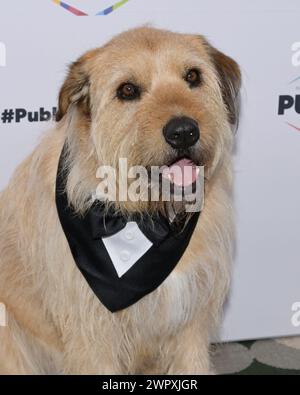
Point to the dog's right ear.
(75, 89)
(230, 80)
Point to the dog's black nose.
(181, 132)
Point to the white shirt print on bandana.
(126, 247)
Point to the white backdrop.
(38, 38)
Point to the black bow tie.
(106, 222)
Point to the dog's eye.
(128, 91)
(193, 77)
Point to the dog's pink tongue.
(183, 173)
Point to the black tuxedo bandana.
(121, 259)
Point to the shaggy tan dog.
(115, 102)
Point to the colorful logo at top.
(77, 12)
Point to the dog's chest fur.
(169, 307)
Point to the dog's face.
(155, 98)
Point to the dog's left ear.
(75, 89)
(230, 80)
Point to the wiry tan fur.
(55, 322)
